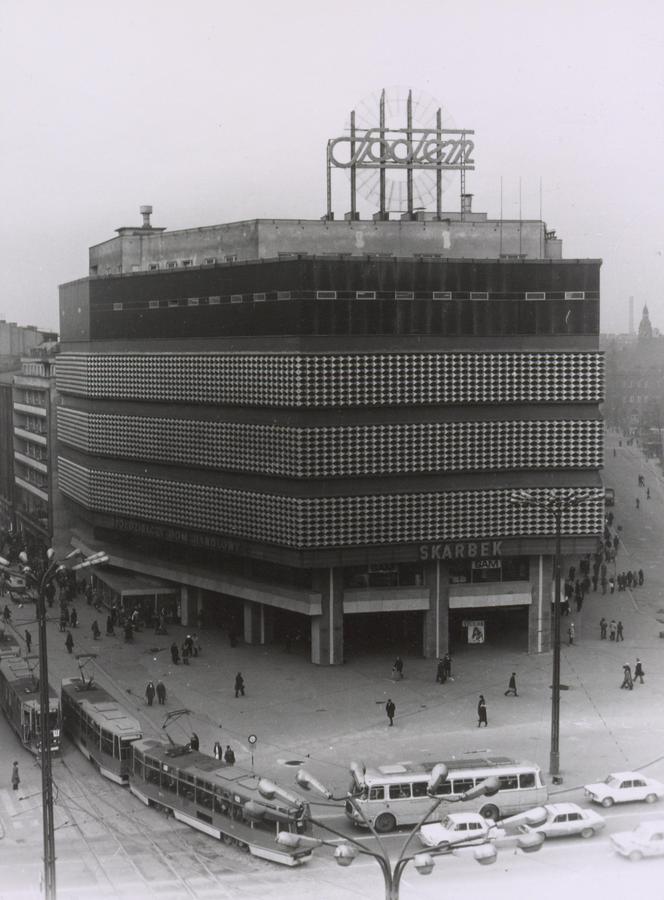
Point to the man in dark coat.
(638, 671)
(149, 693)
(229, 756)
(239, 684)
(441, 677)
(511, 688)
(481, 712)
(175, 653)
(194, 742)
(69, 642)
(161, 692)
(390, 710)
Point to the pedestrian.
(63, 621)
(217, 751)
(647, 493)
(194, 743)
(441, 678)
(481, 712)
(638, 670)
(161, 692)
(239, 684)
(627, 682)
(28, 641)
(602, 629)
(6, 615)
(390, 710)
(612, 630)
(641, 578)
(175, 653)
(229, 756)
(570, 633)
(149, 693)
(397, 668)
(185, 653)
(447, 662)
(511, 688)
(69, 642)
(619, 631)
(612, 584)
(73, 618)
(16, 779)
(95, 630)
(637, 503)
(603, 585)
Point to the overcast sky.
(220, 111)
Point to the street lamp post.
(41, 582)
(349, 848)
(555, 503)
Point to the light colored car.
(456, 828)
(623, 787)
(15, 582)
(566, 820)
(647, 839)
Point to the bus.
(20, 702)
(394, 795)
(215, 798)
(101, 728)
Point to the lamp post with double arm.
(555, 503)
(347, 848)
(41, 580)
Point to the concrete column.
(327, 634)
(252, 622)
(188, 605)
(539, 615)
(437, 619)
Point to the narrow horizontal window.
(259, 297)
(153, 304)
(236, 298)
(283, 295)
(535, 295)
(574, 295)
(403, 295)
(173, 302)
(214, 301)
(365, 295)
(442, 295)
(192, 301)
(326, 295)
(117, 307)
(479, 295)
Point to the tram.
(99, 726)
(220, 800)
(20, 702)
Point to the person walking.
(239, 684)
(161, 692)
(95, 630)
(481, 712)
(447, 662)
(441, 678)
(16, 778)
(390, 710)
(641, 577)
(6, 615)
(28, 641)
(511, 688)
(612, 630)
(627, 682)
(619, 631)
(194, 743)
(217, 751)
(612, 584)
(397, 668)
(149, 692)
(638, 503)
(602, 629)
(73, 618)
(638, 671)
(69, 642)
(570, 633)
(229, 756)
(175, 653)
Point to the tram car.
(8, 645)
(100, 727)
(220, 800)
(20, 702)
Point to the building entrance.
(397, 632)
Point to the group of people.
(615, 630)
(190, 647)
(628, 680)
(158, 690)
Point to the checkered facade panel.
(323, 452)
(320, 522)
(299, 380)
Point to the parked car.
(623, 787)
(566, 820)
(647, 839)
(15, 582)
(467, 828)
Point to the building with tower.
(311, 430)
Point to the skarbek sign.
(461, 550)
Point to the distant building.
(635, 385)
(17, 341)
